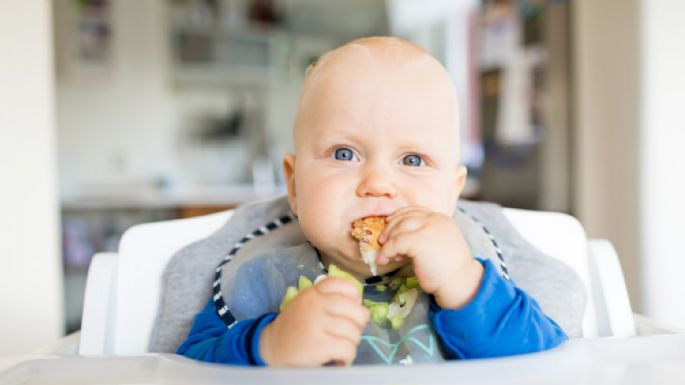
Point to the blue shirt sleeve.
(500, 320)
(211, 340)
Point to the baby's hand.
(440, 256)
(322, 324)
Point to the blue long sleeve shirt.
(500, 320)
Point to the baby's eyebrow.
(415, 144)
(332, 134)
(325, 137)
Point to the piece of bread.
(366, 231)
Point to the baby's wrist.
(265, 351)
(460, 290)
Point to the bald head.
(355, 70)
(379, 49)
(376, 130)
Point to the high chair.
(123, 289)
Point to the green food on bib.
(290, 293)
(379, 310)
(334, 271)
(393, 312)
(304, 283)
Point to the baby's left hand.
(440, 256)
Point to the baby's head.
(376, 130)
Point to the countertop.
(200, 196)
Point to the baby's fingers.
(408, 209)
(405, 225)
(343, 328)
(337, 285)
(342, 351)
(398, 245)
(343, 307)
(409, 220)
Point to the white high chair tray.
(654, 359)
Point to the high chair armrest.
(98, 305)
(648, 326)
(66, 346)
(611, 296)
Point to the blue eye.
(344, 153)
(412, 160)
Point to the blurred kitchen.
(171, 109)
(163, 109)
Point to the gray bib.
(254, 281)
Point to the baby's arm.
(475, 312)
(500, 320)
(322, 324)
(211, 341)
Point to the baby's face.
(371, 138)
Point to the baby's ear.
(461, 179)
(289, 173)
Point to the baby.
(376, 135)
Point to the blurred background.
(118, 112)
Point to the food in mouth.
(366, 231)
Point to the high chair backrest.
(123, 289)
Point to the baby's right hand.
(323, 323)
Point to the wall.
(662, 137)
(556, 152)
(607, 126)
(126, 125)
(30, 269)
(630, 138)
(99, 109)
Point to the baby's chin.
(392, 266)
(361, 270)
(347, 257)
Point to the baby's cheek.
(435, 196)
(320, 213)
(317, 228)
(313, 213)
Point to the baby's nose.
(376, 182)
